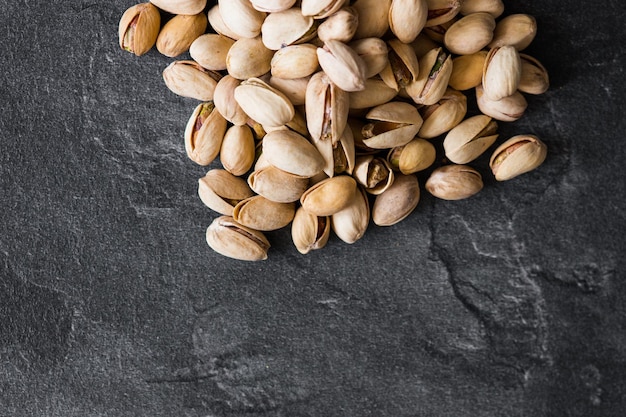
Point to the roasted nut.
(295, 61)
(327, 108)
(373, 18)
(507, 109)
(470, 34)
(210, 51)
(272, 6)
(204, 134)
(516, 30)
(442, 11)
(189, 79)
(241, 18)
(248, 58)
(391, 124)
(402, 68)
(415, 156)
(454, 182)
(229, 238)
(373, 173)
(237, 151)
(340, 26)
(321, 9)
(220, 191)
(138, 28)
(407, 18)
(443, 115)
(177, 35)
(294, 90)
(329, 196)
(288, 27)
(225, 103)
(397, 202)
(373, 51)
(342, 65)
(470, 139)
(351, 223)
(309, 232)
(501, 73)
(277, 185)
(376, 92)
(291, 152)
(188, 7)
(467, 71)
(218, 25)
(534, 79)
(516, 156)
(493, 7)
(259, 213)
(263, 103)
(435, 70)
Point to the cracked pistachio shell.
(340, 26)
(454, 182)
(342, 65)
(376, 92)
(259, 213)
(329, 196)
(220, 191)
(189, 79)
(402, 68)
(435, 69)
(507, 109)
(225, 103)
(417, 155)
(188, 7)
(373, 173)
(374, 52)
(241, 18)
(217, 23)
(470, 34)
(373, 18)
(248, 58)
(204, 134)
(294, 90)
(210, 51)
(470, 139)
(516, 30)
(292, 152)
(177, 35)
(356, 127)
(437, 33)
(396, 202)
(351, 223)
(264, 103)
(309, 232)
(534, 79)
(338, 155)
(326, 107)
(391, 124)
(407, 18)
(443, 115)
(442, 11)
(237, 152)
(286, 28)
(138, 28)
(321, 9)
(467, 71)
(272, 6)
(516, 156)
(493, 7)
(502, 72)
(229, 238)
(277, 185)
(295, 61)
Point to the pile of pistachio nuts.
(316, 107)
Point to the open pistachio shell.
(309, 232)
(329, 196)
(407, 18)
(507, 109)
(188, 79)
(442, 11)
(277, 185)
(517, 30)
(501, 73)
(264, 103)
(291, 152)
(241, 18)
(342, 65)
(443, 115)
(417, 155)
(470, 34)
(259, 213)
(204, 134)
(229, 238)
(177, 35)
(454, 182)
(391, 124)
(373, 18)
(339, 155)
(210, 51)
(470, 139)
(396, 202)
(373, 173)
(351, 223)
(403, 66)
(187, 7)
(138, 28)
(435, 69)
(326, 107)
(321, 9)
(220, 191)
(286, 28)
(295, 61)
(516, 156)
(437, 33)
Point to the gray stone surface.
(510, 303)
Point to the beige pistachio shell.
(298, 123)
(177, 35)
(407, 18)
(423, 44)
(403, 66)
(225, 103)
(507, 109)
(391, 124)
(454, 182)
(138, 28)
(286, 28)
(272, 6)
(204, 134)
(516, 156)
(241, 18)
(217, 23)
(442, 11)
(264, 103)
(220, 191)
(470, 34)
(437, 33)
(295, 61)
(376, 92)
(189, 79)
(321, 9)
(493, 7)
(291, 152)
(248, 58)
(342, 65)
(373, 51)
(237, 152)
(417, 155)
(435, 69)
(210, 51)
(443, 115)
(277, 185)
(326, 107)
(309, 232)
(502, 72)
(188, 7)
(397, 202)
(229, 238)
(373, 173)
(329, 196)
(467, 71)
(516, 30)
(351, 223)
(339, 155)
(534, 78)
(340, 26)
(470, 139)
(373, 18)
(356, 127)
(259, 213)
(294, 90)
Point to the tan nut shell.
(442, 11)
(177, 35)
(295, 61)
(454, 182)
(210, 51)
(277, 185)
(426, 89)
(220, 191)
(407, 18)
(217, 23)
(493, 7)
(309, 232)
(259, 213)
(443, 115)
(373, 51)
(395, 112)
(291, 152)
(321, 9)
(237, 152)
(294, 90)
(248, 58)
(417, 155)
(502, 72)
(516, 156)
(229, 238)
(189, 79)
(470, 34)
(342, 65)
(373, 18)
(225, 103)
(403, 66)
(326, 107)
(534, 79)
(470, 139)
(286, 28)
(373, 173)
(272, 6)
(264, 103)
(351, 223)
(138, 28)
(467, 71)
(329, 196)
(241, 18)
(203, 143)
(376, 92)
(397, 202)
(517, 30)
(507, 109)
(340, 26)
(188, 7)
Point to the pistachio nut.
(516, 30)
(502, 72)
(423, 44)
(220, 191)
(277, 185)
(467, 71)
(373, 51)
(470, 34)
(189, 79)
(338, 155)
(373, 173)
(237, 151)
(470, 139)
(376, 92)
(138, 28)
(493, 7)
(407, 18)
(391, 124)
(534, 78)
(259, 213)
(417, 155)
(329, 196)
(339, 26)
(437, 33)
(309, 232)
(225, 103)
(229, 238)
(294, 90)
(373, 18)
(403, 66)
(351, 223)
(507, 109)
(397, 202)
(241, 18)
(356, 127)
(342, 65)
(272, 6)
(443, 115)
(435, 69)
(442, 11)
(326, 107)
(210, 51)
(288, 27)
(204, 134)
(248, 58)
(177, 35)
(516, 156)
(217, 23)
(454, 182)
(295, 61)
(292, 152)
(264, 103)
(321, 9)
(188, 7)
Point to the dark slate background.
(510, 303)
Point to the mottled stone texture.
(510, 303)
